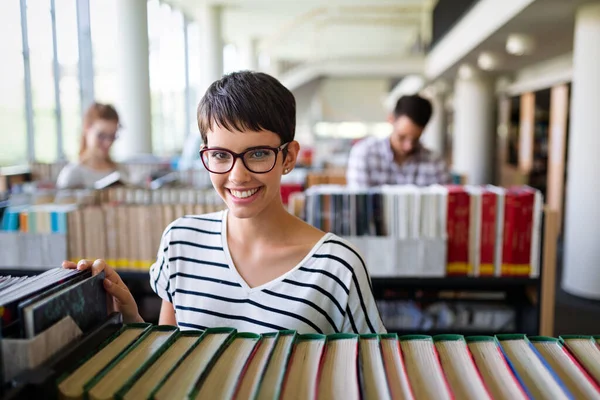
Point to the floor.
(574, 315)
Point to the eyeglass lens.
(255, 160)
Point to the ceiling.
(297, 31)
(550, 22)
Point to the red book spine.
(523, 245)
(458, 232)
(510, 238)
(488, 233)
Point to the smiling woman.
(100, 127)
(254, 266)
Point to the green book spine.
(145, 326)
(511, 336)
(230, 331)
(240, 335)
(415, 337)
(288, 357)
(388, 336)
(473, 339)
(160, 328)
(269, 356)
(447, 338)
(131, 381)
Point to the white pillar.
(473, 133)
(133, 79)
(434, 134)
(211, 48)
(249, 54)
(581, 263)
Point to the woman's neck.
(94, 161)
(270, 226)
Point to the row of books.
(31, 311)
(435, 230)
(126, 235)
(143, 361)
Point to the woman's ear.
(292, 150)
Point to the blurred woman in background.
(100, 129)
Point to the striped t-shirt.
(329, 291)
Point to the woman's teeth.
(243, 194)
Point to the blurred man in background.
(400, 158)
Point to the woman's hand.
(120, 298)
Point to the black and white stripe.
(329, 293)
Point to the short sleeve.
(362, 315)
(160, 271)
(357, 171)
(69, 177)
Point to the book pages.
(272, 382)
(301, 380)
(395, 370)
(339, 373)
(148, 381)
(570, 372)
(251, 379)
(587, 353)
(535, 376)
(182, 381)
(222, 379)
(495, 372)
(118, 375)
(460, 371)
(72, 387)
(373, 370)
(424, 371)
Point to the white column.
(434, 134)
(133, 78)
(473, 133)
(248, 54)
(581, 263)
(211, 37)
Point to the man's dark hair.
(415, 107)
(248, 101)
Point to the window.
(68, 58)
(104, 36)
(167, 78)
(39, 26)
(13, 129)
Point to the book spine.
(488, 233)
(458, 232)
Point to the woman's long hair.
(97, 111)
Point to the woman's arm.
(167, 314)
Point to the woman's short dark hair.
(248, 100)
(415, 107)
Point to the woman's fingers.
(69, 265)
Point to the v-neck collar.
(272, 282)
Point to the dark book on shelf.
(83, 300)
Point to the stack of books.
(122, 225)
(41, 314)
(142, 361)
(437, 230)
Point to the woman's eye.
(219, 155)
(259, 154)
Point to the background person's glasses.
(106, 137)
(258, 160)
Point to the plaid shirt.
(371, 163)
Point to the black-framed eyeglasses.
(258, 160)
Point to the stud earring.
(286, 171)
